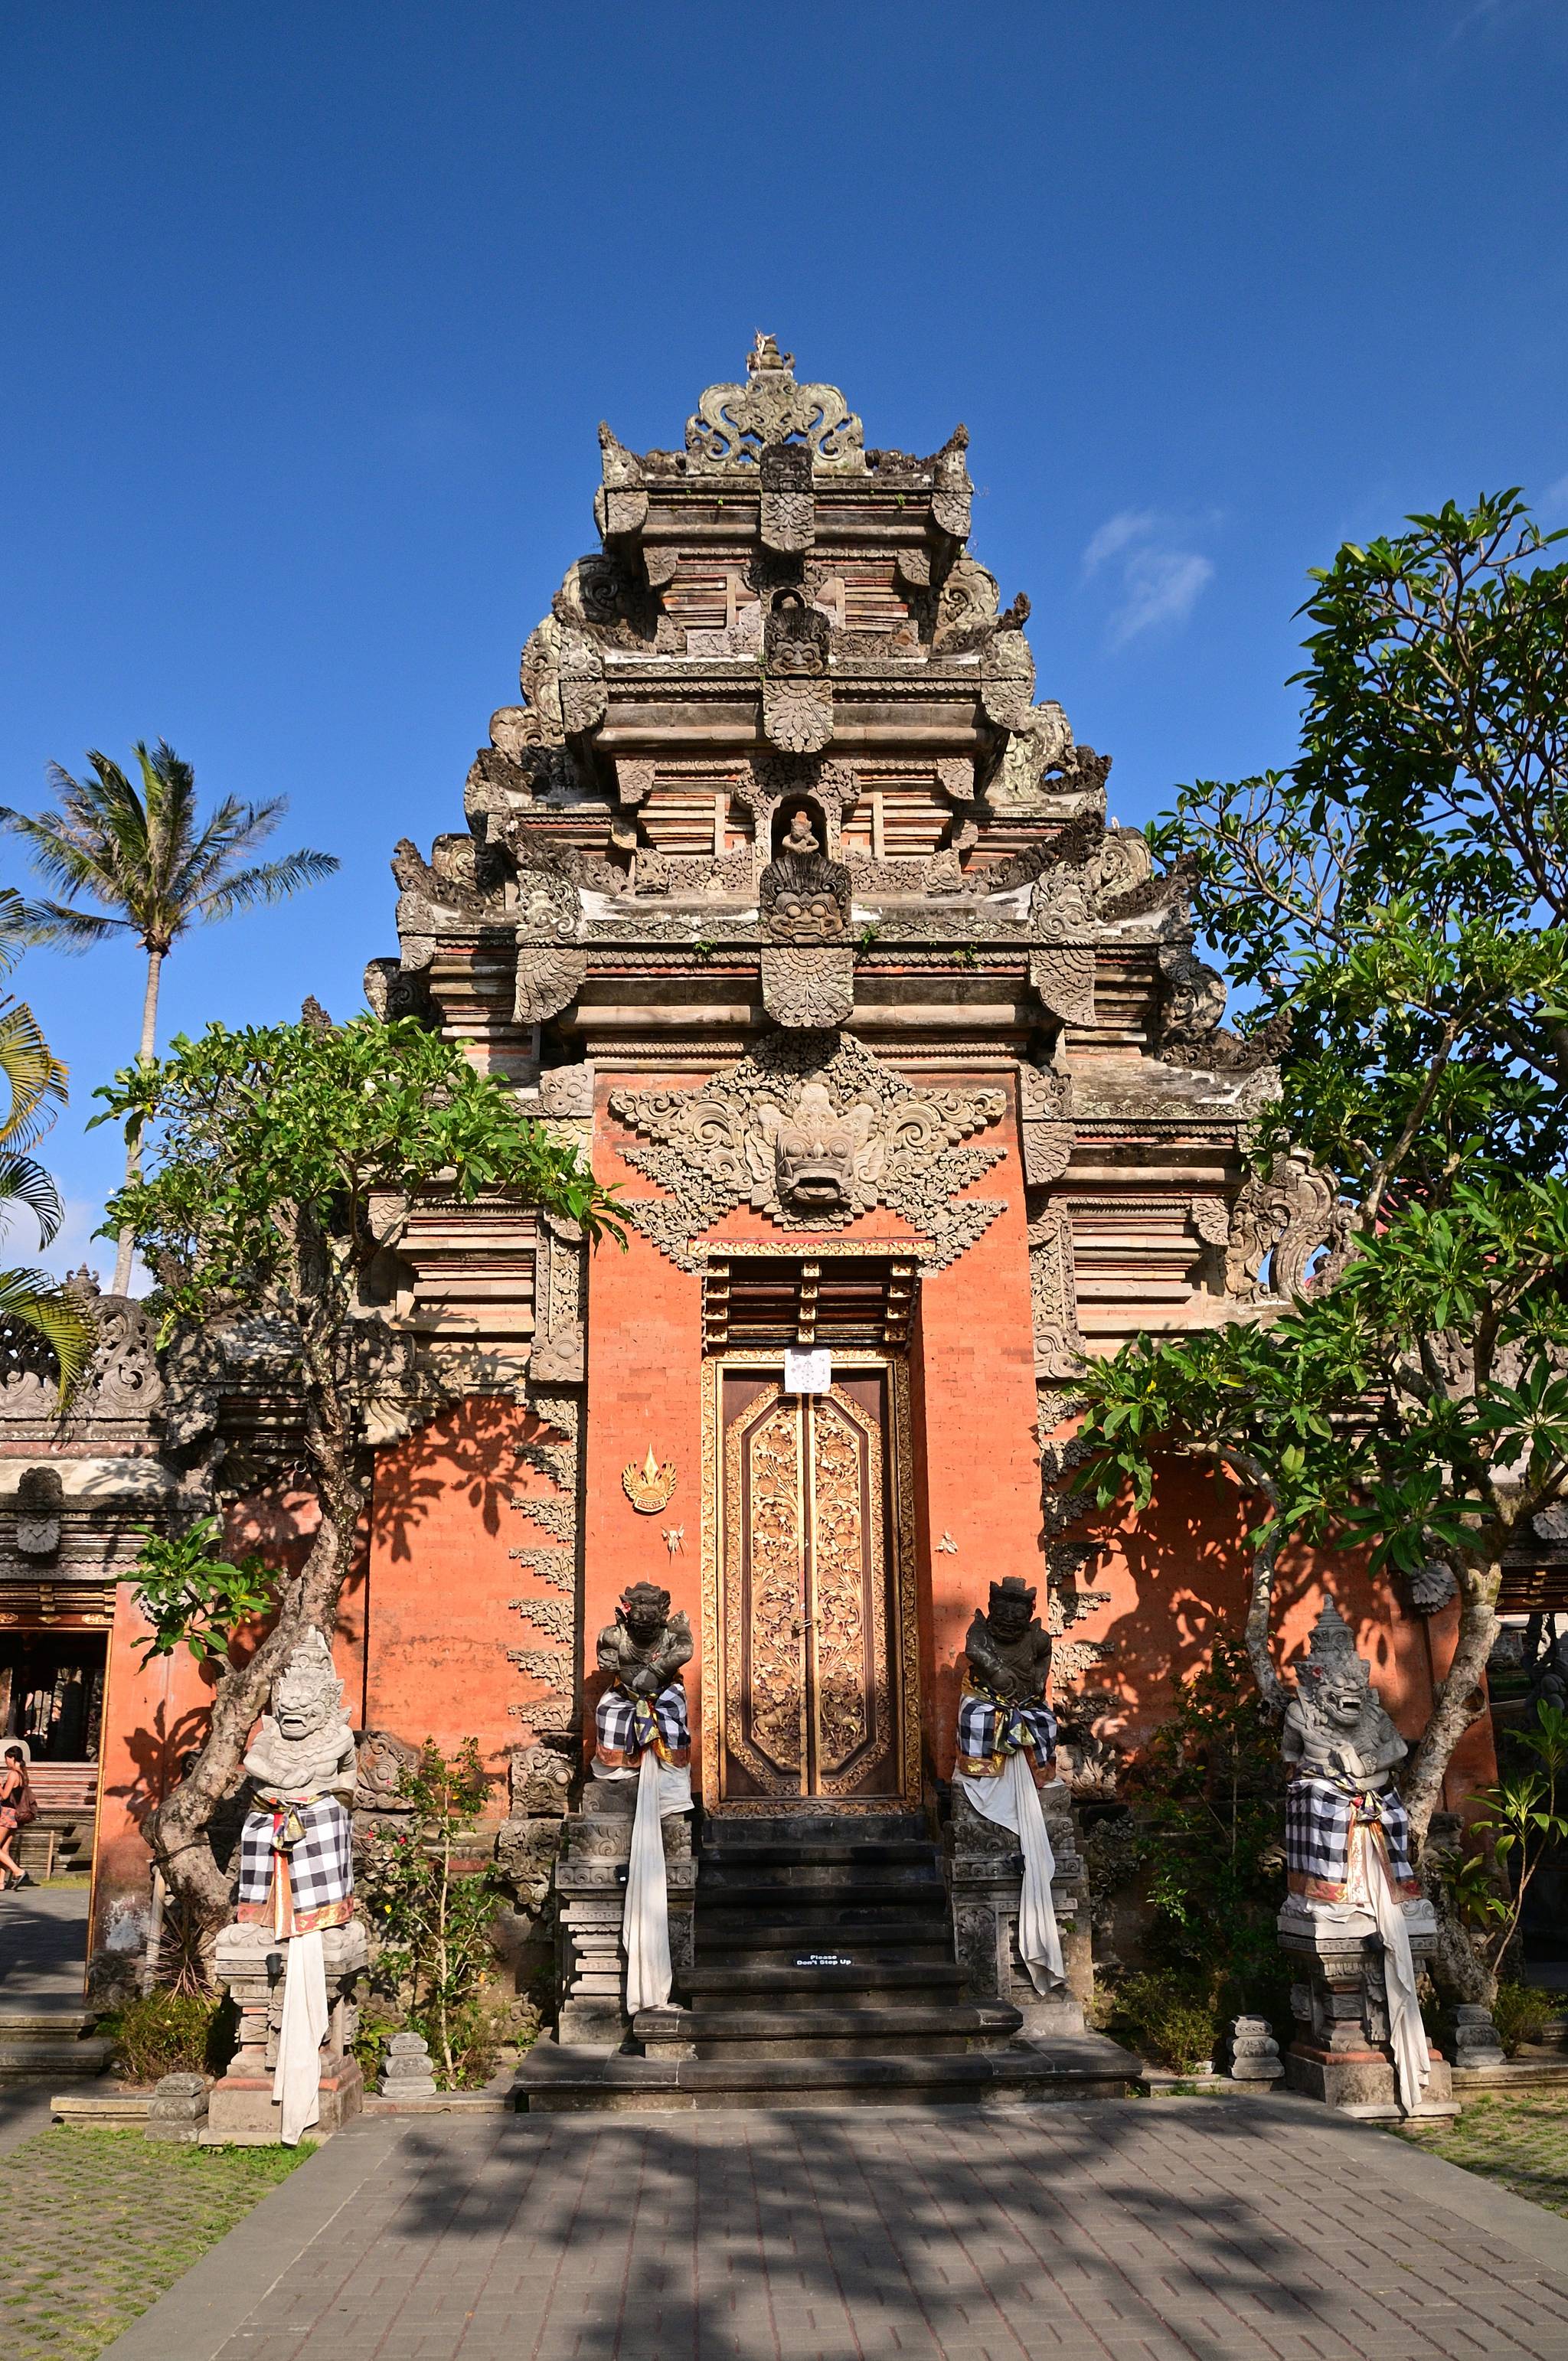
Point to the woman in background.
(16, 1809)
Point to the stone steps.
(49, 2045)
(794, 1988)
(557, 2081)
(845, 2031)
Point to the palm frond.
(39, 1302)
(23, 1181)
(58, 924)
(274, 881)
(35, 1075)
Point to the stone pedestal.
(985, 1873)
(408, 2072)
(1342, 2052)
(1473, 2036)
(240, 2110)
(177, 2109)
(590, 1892)
(1256, 2061)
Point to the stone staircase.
(822, 1973)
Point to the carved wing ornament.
(811, 1131)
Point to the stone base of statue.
(1343, 2053)
(590, 1895)
(985, 1873)
(241, 2110)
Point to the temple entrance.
(808, 1599)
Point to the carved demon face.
(815, 1150)
(1011, 1610)
(644, 1610)
(302, 1705)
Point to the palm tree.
(156, 870)
(37, 1081)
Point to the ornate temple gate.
(808, 1602)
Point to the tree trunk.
(149, 1050)
(1422, 1789)
(177, 1829)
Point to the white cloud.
(1129, 525)
(1163, 586)
(1161, 582)
(1553, 502)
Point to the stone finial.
(1255, 2053)
(407, 2072)
(177, 2112)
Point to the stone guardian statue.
(1006, 1752)
(642, 1733)
(1355, 1908)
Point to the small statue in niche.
(296, 1851)
(803, 897)
(40, 1500)
(645, 1705)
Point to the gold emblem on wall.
(649, 1487)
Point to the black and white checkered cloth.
(990, 1729)
(321, 1858)
(626, 1726)
(1318, 1816)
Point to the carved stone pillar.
(985, 1872)
(1342, 2053)
(240, 2111)
(590, 1892)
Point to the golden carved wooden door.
(809, 1611)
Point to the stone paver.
(97, 2224)
(1165, 2230)
(43, 1946)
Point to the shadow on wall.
(1181, 1571)
(470, 1458)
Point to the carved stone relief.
(1053, 1295)
(798, 697)
(809, 987)
(787, 507)
(1288, 1215)
(811, 1131)
(551, 965)
(1062, 977)
(733, 423)
(803, 897)
(950, 487)
(1045, 1118)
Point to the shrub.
(1522, 2013)
(1166, 2019)
(170, 2033)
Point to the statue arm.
(609, 1650)
(679, 1647)
(984, 1663)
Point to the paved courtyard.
(1143, 2231)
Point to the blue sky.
(309, 315)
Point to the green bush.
(1168, 2020)
(1522, 2013)
(170, 2033)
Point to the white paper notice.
(807, 1372)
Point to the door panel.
(809, 1609)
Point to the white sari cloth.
(1370, 1887)
(1013, 1801)
(645, 1920)
(297, 2077)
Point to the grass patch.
(1522, 2144)
(99, 2223)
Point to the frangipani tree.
(282, 1162)
(1402, 892)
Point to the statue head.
(643, 1612)
(814, 1149)
(1011, 1607)
(307, 1694)
(1332, 1682)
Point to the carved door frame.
(904, 1651)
